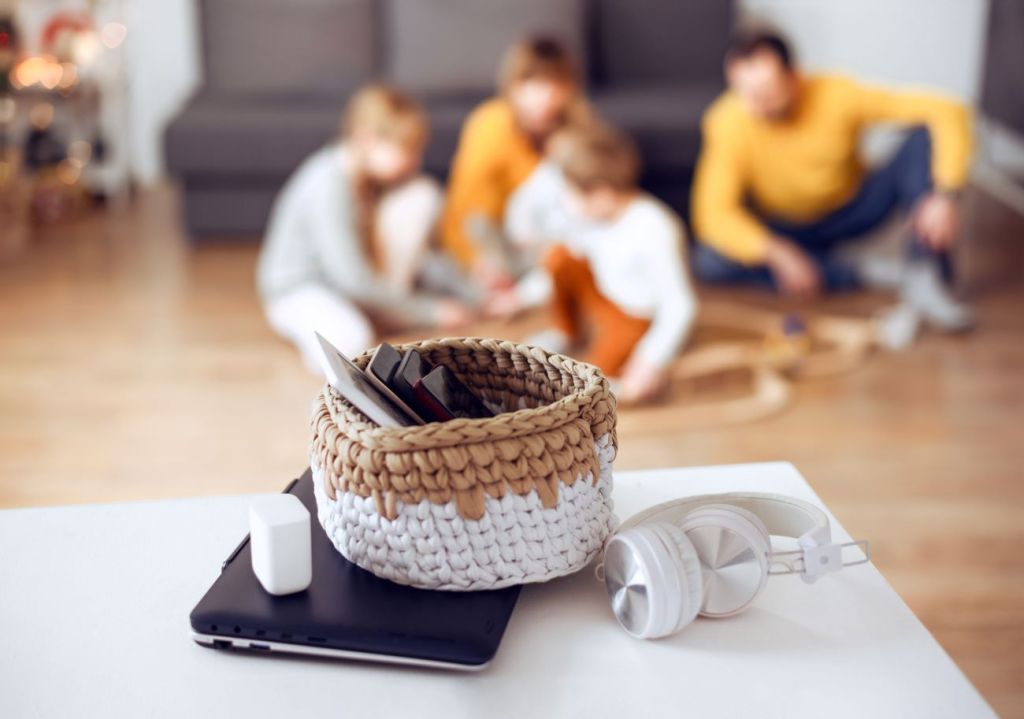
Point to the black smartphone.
(412, 368)
(441, 388)
(381, 369)
(384, 362)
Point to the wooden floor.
(133, 367)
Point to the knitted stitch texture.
(472, 504)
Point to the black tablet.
(349, 613)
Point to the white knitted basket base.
(516, 541)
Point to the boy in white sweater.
(620, 287)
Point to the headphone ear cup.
(653, 577)
(687, 563)
(732, 546)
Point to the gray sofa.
(277, 74)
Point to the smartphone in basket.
(412, 368)
(381, 370)
(353, 384)
(446, 397)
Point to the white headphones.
(711, 555)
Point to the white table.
(94, 605)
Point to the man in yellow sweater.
(780, 186)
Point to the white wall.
(163, 71)
(935, 43)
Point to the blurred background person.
(501, 143)
(621, 296)
(779, 184)
(349, 232)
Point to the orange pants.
(580, 311)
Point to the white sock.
(880, 272)
(878, 267)
(897, 326)
(924, 291)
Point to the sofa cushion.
(228, 210)
(652, 41)
(264, 47)
(218, 136)
(454, 46)
(270, 137)
(663, 119)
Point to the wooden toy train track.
(777, 350)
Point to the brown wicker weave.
(561, 407)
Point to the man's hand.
(452, 314)
(937, 220)
(795, 273)
(641, 381)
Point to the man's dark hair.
(747, 43)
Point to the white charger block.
(279, 539)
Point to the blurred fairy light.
(68, 75)
(112, 34)
(69, 170)
(85, 48)
(78, 50)
(44, 70)
(31, 70)
(50, 74)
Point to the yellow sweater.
(493, 158)
(804, 167)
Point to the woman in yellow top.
(502, 142)
(780, 186)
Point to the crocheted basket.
(474, 504)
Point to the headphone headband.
(783, 516)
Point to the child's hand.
(452, 314)
(490, 275)
(503, 304)
(642, 381)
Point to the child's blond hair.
(595, 154)
(387, 113)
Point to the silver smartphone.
(356, 387)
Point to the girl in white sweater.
(349, 234)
